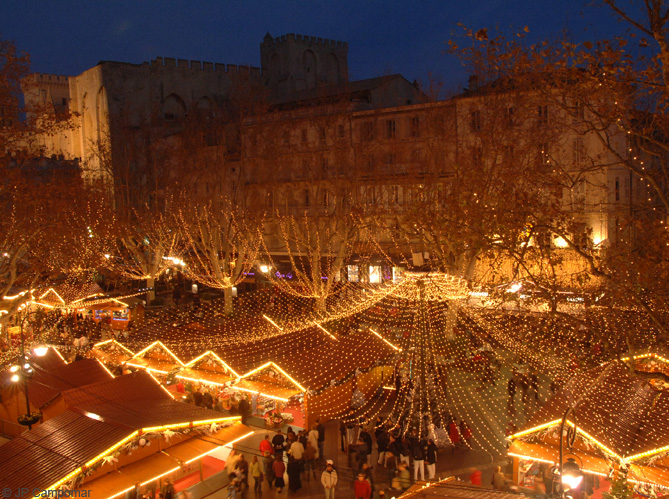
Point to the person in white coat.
(329, 479)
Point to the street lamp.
(24, 371)
(570, 473)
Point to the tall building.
(298, 136)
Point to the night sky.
(385, 36)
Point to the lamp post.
(24, 371)
(570, 473)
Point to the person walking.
(362, 487)
(312, 438)
(310, 460)
(329, 479)
(244, 409)
(277, 442)
(294, 471)
(268, 463)
(266, 446)
(381, 444)
(321, 438)
(279, 469)
(498, 479)
(367, 439)
(431, 459)
(466, 433)
(418, 453)
(453, 433)
(256, 473)
(511, 403)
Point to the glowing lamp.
(571, 474)
(40, 350)
(15, 377)
(14, 369)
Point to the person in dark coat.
(277, 441)
(294, 479)
(321, 438)
(198, 399)
(244, 409)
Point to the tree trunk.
(452, 318)
(227, 298)
(320, 302)
(151, 293)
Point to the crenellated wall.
(184, 64)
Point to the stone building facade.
(298, 135)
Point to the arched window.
(204, 108)
(102, 114)
(173, 108)
(331, 68)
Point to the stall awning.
(548, 453)
(110, 358)
(267, 389)
(151, 468)
(154, 365)
(591, 463)
(204, 376)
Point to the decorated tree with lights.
(223, 244)
(141, 245)
(317, 246)
(43, 228)
(608, 98)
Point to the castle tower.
(292, 63)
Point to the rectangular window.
(578, 195)
(352, 271)
(542, 114)
(477, 155)
(394, 194)
(617, 189)
(475, 123)
(415, 127)
(509, 119)
(390, 129)
(306, 197)
(368, 131)
(579, 112)
(341, 131)
(375, 274)
(578, 151)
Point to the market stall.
(156, 358)
(111, 353)
(118, 314)
(614, 420)
(275, 392)
(208, 368)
